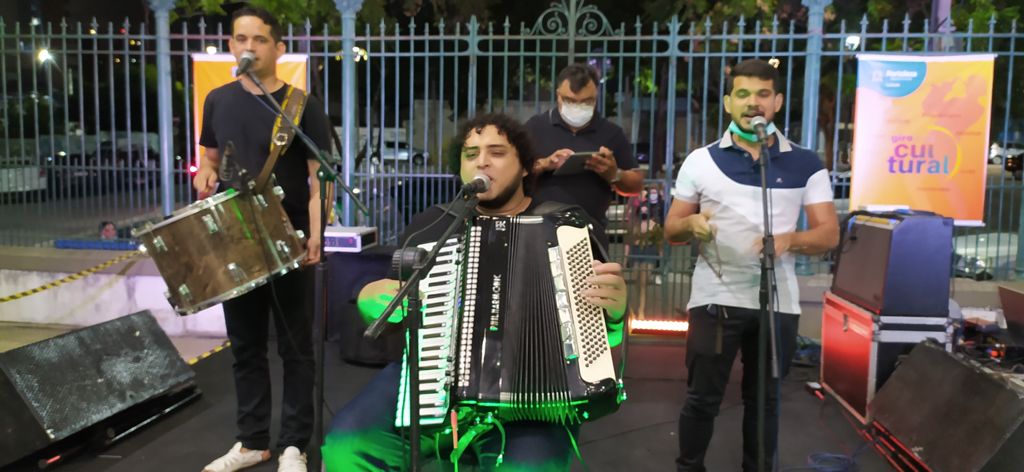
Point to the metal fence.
(80, 141)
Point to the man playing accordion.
(363, 434)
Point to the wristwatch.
(618, 176)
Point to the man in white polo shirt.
(717, 200)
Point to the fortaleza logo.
(924, 157)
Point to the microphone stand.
(767, 302)
(325, 174)
(421, 264)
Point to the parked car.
(982, 256)
(22, 180)
(997, 154)
(394, 152)
(112, 166)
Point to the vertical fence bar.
(474, 52)
(490, 67)
(185, 185)
(522, 68)
(161, 11)
(36, 96)
(77, 165)
(3, 99)
(108, 168)
(812, 87)
(705, 82)
(724, 55)
(789, 74)
(636, 90)
(348, 9)
(126, 181)
(839, 96)
(150, 172)
(504, 59)
(410, 111)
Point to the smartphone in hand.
(575, 164)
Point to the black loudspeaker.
(55, 388)
(348, 273)
(896, 264)
(952, 413)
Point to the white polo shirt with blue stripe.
(724, 179)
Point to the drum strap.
(281, 137)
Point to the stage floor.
(640, 437)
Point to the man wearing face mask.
(717, 200)
(575, 128)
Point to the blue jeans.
(363, 437)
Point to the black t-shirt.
(587, 189)
(233, 114)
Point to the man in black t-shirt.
(362, 436)
(237, 113)
(574, 128)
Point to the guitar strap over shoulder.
(282, 136)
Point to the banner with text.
(921, 127)
(210, 71)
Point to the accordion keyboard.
(438, 289)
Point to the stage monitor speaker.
(954, 414)
(896, 264)
(55, 388)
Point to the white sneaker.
(235, 459)
(291, 460)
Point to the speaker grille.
(85, 376)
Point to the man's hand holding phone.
(603, 163)
(552, 162)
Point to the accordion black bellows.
(505, 329)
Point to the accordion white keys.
(506, 330)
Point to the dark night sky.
(22, 11)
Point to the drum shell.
(219, 248)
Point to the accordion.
(505, 330)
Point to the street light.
(852, 42)
(44, 55)
(211, 49)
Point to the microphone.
(479, 184)
(759, 124)
(245, 63)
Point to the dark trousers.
(363, 437)
(716, 334)
(248, 330)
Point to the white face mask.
(576, 115)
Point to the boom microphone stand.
(420, 265)
(325, 174)
(767, 297)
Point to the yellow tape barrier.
(71, 278)
(195, 360)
